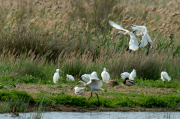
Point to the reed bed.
(39, 36)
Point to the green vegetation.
(37, 37)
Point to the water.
(97, 115)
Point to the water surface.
(97, 115)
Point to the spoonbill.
(133, 43)
(56, 76)
(94, 84)
(79, 90)
(125, 75)
(85, 77)
(105, 76)
(128, 82)
(142, 32)
(132, 74)
(69, 77)
(165, 76)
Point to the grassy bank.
(37, 37)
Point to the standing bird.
(133, 43)
(85, 77)
(128, 82)
(94, 84)
(56, 76)
(79, 90)
(125, 75)
(113, 83)
(105, 76)
(69, 77)
(142, 32)
(132, 74)
(14, 113)
(165, 76)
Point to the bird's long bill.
(74, 85)
(116, 35)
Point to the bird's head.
(57, 70)
(126, 78)
(104, 69)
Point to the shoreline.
(68, 108)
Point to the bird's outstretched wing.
(145, 36)
(113, 24)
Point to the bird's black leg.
(164, 82)
(149, 45)
(90, 96)
(128, 49)
(116, 35)
(97, 97)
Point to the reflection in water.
(98, 115)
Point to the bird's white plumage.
(132, 74)
(69, 77)
(85, 77)
(133, 43)
(116, 25)
(56, 76)
(79, 90)
(105, 76)
(94, 83)
(94, 73)
(125, 75)
(145, 36)
(165, 76)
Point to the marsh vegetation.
(37, 37)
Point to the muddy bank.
(67, 108)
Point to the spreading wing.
(138, 29)
(133, 43)
(95, 84)
(113, 24)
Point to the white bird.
(79, 90)
(133, 43)
(146, 39)
(85, 77)
(94, 84)
(69, 77)
(125, 75)
(56, 76)
(132, 74)
(105, 76)
(165, 76)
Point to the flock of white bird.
(92, 80)
(94, 83)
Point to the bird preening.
(140, 31)
(165, 76)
